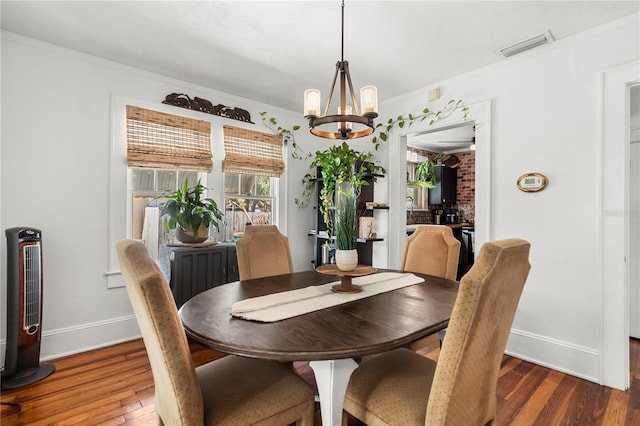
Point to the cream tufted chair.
(228, 391)
(263, 251)
(401, 387)
(433, 250)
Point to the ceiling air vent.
(527, 44)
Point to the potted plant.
(346, 230)
(189, 213)
(343, 171)
(340, 165)
(425, 175)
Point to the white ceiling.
(270, 51)
(447, 140)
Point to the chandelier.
(350, 120)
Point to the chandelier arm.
(343, 95)
(333, 85)
(356, 110)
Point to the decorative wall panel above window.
(166, 141)
(252, 153)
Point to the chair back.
(432, 250)
(465, 380)
(263, 251)
(178, 398)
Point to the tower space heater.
(24, 310)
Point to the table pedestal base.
(345, 286)
(332, 378)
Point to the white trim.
(613, 146)
(556, 354)
(481, 113)
(119, 198)
(85, 337)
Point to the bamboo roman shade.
(253, 153)
(165, 141)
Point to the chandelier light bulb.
(345, 125)
(369, 99)
(312, 103)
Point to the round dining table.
(329, 338)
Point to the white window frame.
(120, 194)
(120, 209)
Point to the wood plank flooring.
(114, 386)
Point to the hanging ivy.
(433, 116)
(287, 136)
(381, 134)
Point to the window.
(249, 199)
(131, 184)
(163, 150)
(145, 185)
(253, 162)
(167, 141)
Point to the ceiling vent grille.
(527, 44)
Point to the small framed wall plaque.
(532, 182)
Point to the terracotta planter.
(186, 236)
(346, 260)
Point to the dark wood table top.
(366, 326)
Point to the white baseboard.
(556, 354)
(552, 353)
(82, 338)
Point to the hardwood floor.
(114, 386)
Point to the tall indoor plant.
(341, 166)
(190, 213)
(346, 218)
(342, 173)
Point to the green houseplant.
(343, 171)
(425, 175)
(346, 218)
(190, 213)
(341, 166)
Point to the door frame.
(613, 149)
(481, 114)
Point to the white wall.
(545, 119)
(56, 141)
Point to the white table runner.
(288, 304)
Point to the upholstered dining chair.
(228, 391)
(263, 251)
(433, 250)
(402, 387)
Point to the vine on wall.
(381, 134)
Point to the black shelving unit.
(365, 245)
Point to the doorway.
(481, 114)
(450, 153)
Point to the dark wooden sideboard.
(196, 269)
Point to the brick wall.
(466, 193)
(466, 186)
